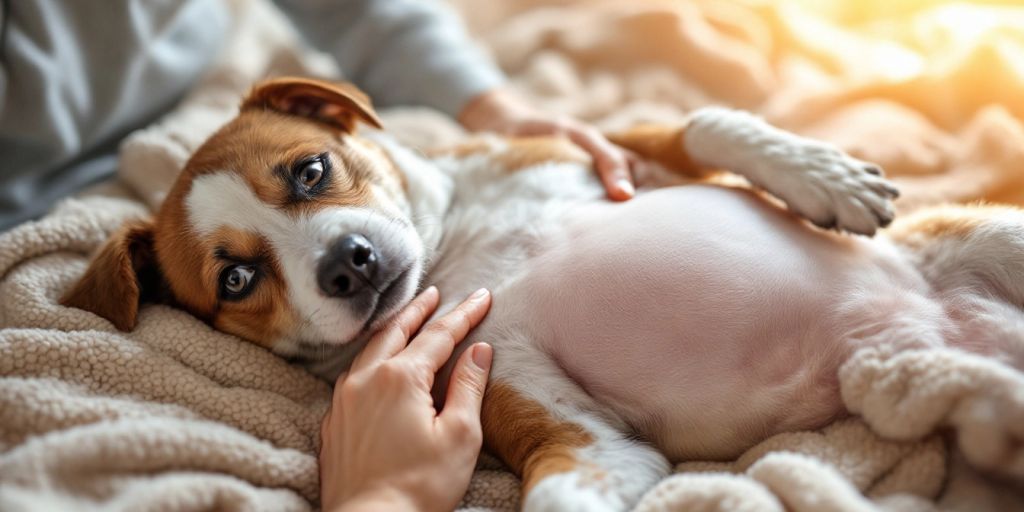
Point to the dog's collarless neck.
(429, 191)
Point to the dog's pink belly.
(701, 315)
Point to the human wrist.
(490, 109)
(381, 499)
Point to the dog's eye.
(310, 173)
(236, 280)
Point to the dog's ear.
(338, 104)
(120, 276)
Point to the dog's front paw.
(573, 492)
(816, 180)
(830, 188)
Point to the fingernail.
(625, 186)
(479, 294)
(482, 355)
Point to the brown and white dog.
(688, 323)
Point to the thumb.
(468, 381)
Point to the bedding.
(176, 416)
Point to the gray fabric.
(402, 52)
(76, 76)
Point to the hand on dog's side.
(384, 447)
(502, 112)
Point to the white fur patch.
(429, 190)
(569, 492)
(225, 199)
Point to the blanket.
(177, 416)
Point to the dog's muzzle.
(349, 267)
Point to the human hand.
(502, 112)
(384, 447)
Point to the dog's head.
(285, 228)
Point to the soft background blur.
(932, 90)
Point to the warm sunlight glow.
(902, 39)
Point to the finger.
(467, 384)
(435, 343)
(392, 339)
(610, 162)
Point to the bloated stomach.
(703, 316)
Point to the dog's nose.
(348, 267)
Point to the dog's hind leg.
(973, 258)
(962, 374)
(570, 455)
(816, 180)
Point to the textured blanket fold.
(177, 416)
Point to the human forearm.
(402, 52)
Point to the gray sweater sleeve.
(401, 52)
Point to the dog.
(691, 322)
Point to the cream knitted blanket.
(176, 416)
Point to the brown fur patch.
(661, 144)
(194, 277)
(521, 432)
(525, 152)
(389, 176)
(467, 148)
(112, 284)
(264, 315)
(947, 221)
(515, 153)
(338, 104)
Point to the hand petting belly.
(695, 298)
